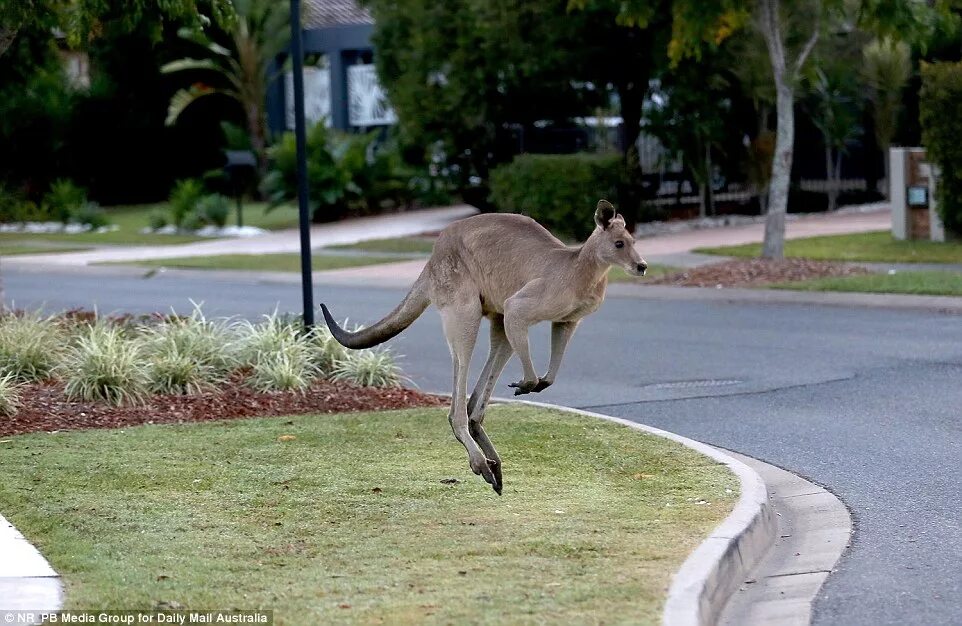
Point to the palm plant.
(886, 68)
(258, 34)
(835, 115)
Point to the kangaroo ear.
(604, 214)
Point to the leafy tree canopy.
(459, 72)
(80, 20)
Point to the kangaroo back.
(397, 320)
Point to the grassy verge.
(286, 262)
(130, 220)
(423, 245)
(349, 521)
(25, 247)
(918, 283)
(867, 247)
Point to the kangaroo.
(510, 269)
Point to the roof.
(325, 13)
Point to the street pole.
(297, 58)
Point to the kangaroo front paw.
(543, 384)
(525, 386)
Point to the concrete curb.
(27, 582)
(711, 574)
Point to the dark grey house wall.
(343, 45)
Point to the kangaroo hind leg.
(498, 356)
(461, 319)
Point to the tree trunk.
(886, 165)
(774, 246)
(830, 190)
(631, 94)
(708, 178)
(257, 129)
(702, 200)
(837, 180)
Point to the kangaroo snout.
(642, 267)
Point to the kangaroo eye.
(619, 244)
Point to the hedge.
(560, 191)
(940, 114)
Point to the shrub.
(9, 395)
(369, 368)
(156, 220)
(214, 209)
(105, 364)
(92, 215)
(183, 200)
(31, 346)
(64, 200)
(326, 351)
(346, 173)
(188, 354)
(559, 191)
(279, 353)
(940, 114)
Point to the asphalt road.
(865, 402)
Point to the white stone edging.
(720, 564)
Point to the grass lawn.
(868, 247)
(919, 283)
(9, 248)
(395, 244)
(286, 262)
(350, 521)
(132, 219)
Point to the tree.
(790, 31)
(258, 33)
(690, 121)
(834, 114)
(886, 69)
(79, 20)
(463, 72)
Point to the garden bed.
(44, 406)
(755, 273)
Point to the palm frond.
(185, 97)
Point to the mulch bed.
(755, 273)
(44, 407)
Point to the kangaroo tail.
(397, 320)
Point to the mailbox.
(240, 170)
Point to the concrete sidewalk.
(346, 232)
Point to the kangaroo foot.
(525, 386)
(490, 471)
(543, 384)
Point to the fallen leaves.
(755, 272)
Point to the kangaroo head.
(614, 243)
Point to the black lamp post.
(297, 58)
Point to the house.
(340, 83)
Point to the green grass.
(867, 247)
(350, 522)
(130, 220)
(10, 248)
(618, 275)
(285, 262)
(918, 283)
(423, 245)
